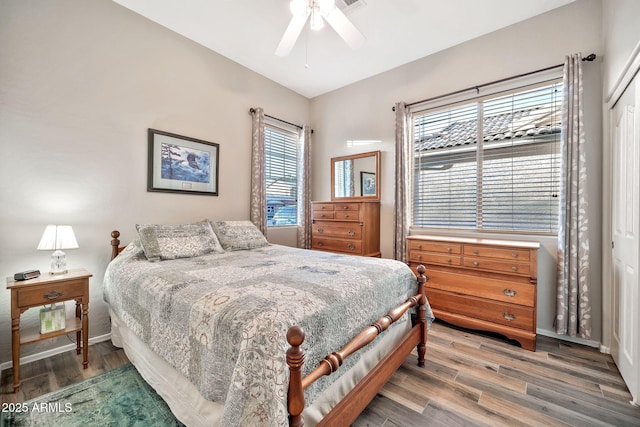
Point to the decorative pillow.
(238, 235)
(163, 241)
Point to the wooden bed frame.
(348, 409)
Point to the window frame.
(287, 131)
(492, 91)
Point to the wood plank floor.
(470, 379)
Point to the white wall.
(362, 111)
(80, 83)
(621, 29)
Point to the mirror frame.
(375, 197)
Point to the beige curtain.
(304, 188)
(402, 182)
(573, 309)
(258, 204)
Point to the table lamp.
(55, 238)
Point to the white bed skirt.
(188, 405)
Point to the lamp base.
(58, 263)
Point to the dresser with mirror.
(350, 221)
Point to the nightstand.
(48, 289)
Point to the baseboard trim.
(53, 352)
(589, 343)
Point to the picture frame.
(181, 164)
(367, 183)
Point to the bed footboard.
(350, 407)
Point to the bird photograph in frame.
(181, 164)
(367, 183)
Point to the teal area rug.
(119, 397)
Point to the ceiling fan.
(319, 11)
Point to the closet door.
(626, 236)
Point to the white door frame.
(631, 68)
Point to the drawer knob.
(476, 263)
(514, 255)
(320, 243)
(322, 207)
(514, 268)
(352, 233)
(346, 216)
(508, 316)
(351, 246)
(475, 252)
(449, 250)
(345, 207)
(419, 246)
(509, 292)
(419, 256)
(449, 260)
(52, 295)
(320, 230)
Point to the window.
(491, 163)
(281, 172)
(344, 181)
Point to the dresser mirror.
(356, 177)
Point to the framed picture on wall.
(367, 184)
(180, 164)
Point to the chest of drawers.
(346, 227)
(480, 283)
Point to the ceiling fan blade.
(291, 34)
(344, 28)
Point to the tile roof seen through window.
(521, 124)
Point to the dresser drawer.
(431, 246)
(511, 315)
(509, 267)
(493, 252)
(347, 215)
(323, 214)
(483, 287)
(353, 207)
(42, 295)
(337, 245)
(322, 207)
(434, 258)
(333, 229)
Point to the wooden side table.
(48, 289)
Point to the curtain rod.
(253, 110)
(589, 58)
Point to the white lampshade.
(316, 19)
(58, 237)
(55, 238)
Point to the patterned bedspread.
(221, 319)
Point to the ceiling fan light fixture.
(318, 11)
(299, 7)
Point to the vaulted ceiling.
(396, 32)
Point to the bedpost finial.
(295, 336)
(115, 234)
(422, 277)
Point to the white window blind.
(281, 172)
(490, 163)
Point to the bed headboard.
(115, 244)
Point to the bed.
(223, 335)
